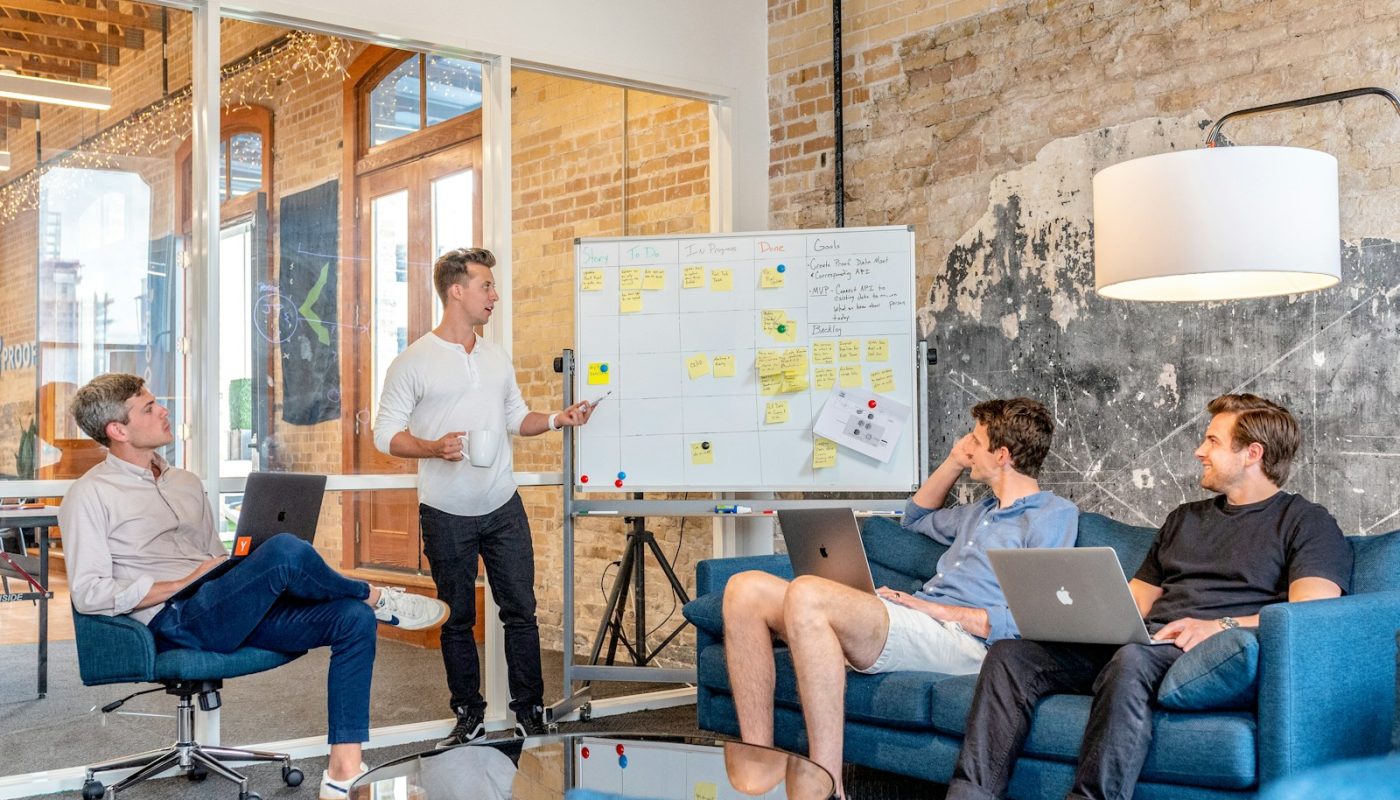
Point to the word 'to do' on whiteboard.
(719, 351)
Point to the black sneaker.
(471, 725)
(530, 722)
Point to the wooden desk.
(24, 567)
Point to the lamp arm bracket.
(1213, 136)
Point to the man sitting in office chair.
(945, 627)
(137, 530)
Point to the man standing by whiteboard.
(451, 399)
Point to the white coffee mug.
(481, 447)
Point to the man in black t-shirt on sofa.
(1213, 565)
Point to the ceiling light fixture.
(46, 90)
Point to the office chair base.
(196, 761)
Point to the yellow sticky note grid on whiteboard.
(825, 377)
(723, 366)
(775, 412)
(598, 374)
(630, 302)
(653, 279)
(629, 279)
(823, 453)
(882, 380)
(850, 350)
(770, 384)
(722, 279)
(702, 453)
(769, 362)
(877, 349)
(693, 278)
(593, 280)
(824, 352)
(770, 278)
(697, 365)
(850, 376)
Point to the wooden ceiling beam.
(48, 69)
(132, 38)
(102, 54)
(82, 12)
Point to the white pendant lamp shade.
(46, 90)
(1221, 223)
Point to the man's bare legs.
(753, 615)
(828, 625)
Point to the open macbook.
(1070, 594)
(826, 542)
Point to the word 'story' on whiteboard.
(719, 350)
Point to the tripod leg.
(617, 596)
(676, 585)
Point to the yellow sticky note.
(850, 350)
(770, 279)
(770, 384)
(850, 376)
(654, 280)
(787, 330)
(882, 380)
(823, 453)
(598, 374)
(630, 302)
(776, 412)
(693, 278)
(770, 319)
(824, 352)
(629, 279)
(704, 790)
(795, 359)
(769, 362)
(724, 366)
(826, 377)
(795, 381)
(722, 280)
(877, 349)
(702, 453)
(697, 365)
(593, 280)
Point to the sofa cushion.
(1129, 542)
(899, 559)
(706, 612)
(1395, 722)
(1376, 562)
(1220, 673)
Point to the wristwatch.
(1226, 623)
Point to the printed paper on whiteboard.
(848, 419)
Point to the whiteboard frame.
(906, 479)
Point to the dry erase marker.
(595, 403)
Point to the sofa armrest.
(712, 574)
(113, 649)
(1326, 681)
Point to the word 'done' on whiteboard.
(719, 352)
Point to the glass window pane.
(223, 171)
(453, 197)
(245, 163)
(394, 105)
(235, 350)
(454, 88)
(389, 263)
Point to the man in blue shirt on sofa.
(944, 627)
(1213, 565)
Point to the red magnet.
(871, 404)
(618, 483)
(583, 479)
(584, 752)
(620, 749)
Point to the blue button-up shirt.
(965, 576)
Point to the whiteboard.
(682, 333)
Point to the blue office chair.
(122, 650)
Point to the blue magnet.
(782, 267)
(622, 761)
(603, 368)
(622, 476)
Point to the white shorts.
(920, 643)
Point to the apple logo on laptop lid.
(1063, 597)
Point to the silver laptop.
(1070, 594)
(826, 542)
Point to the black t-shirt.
(1214, 560)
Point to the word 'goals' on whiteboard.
(719, 351)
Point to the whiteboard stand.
(578, 700)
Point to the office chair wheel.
(197, 774)
(93, 790)
(292, 776)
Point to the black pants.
(502, 540)
(1018, 673)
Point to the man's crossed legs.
(826, 625)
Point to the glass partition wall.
(342, 169)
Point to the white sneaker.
(332, 789)
(410, 612)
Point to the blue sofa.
(1325, 690)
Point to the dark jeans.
(1018, 673)
(502, 540)
(285, 598)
